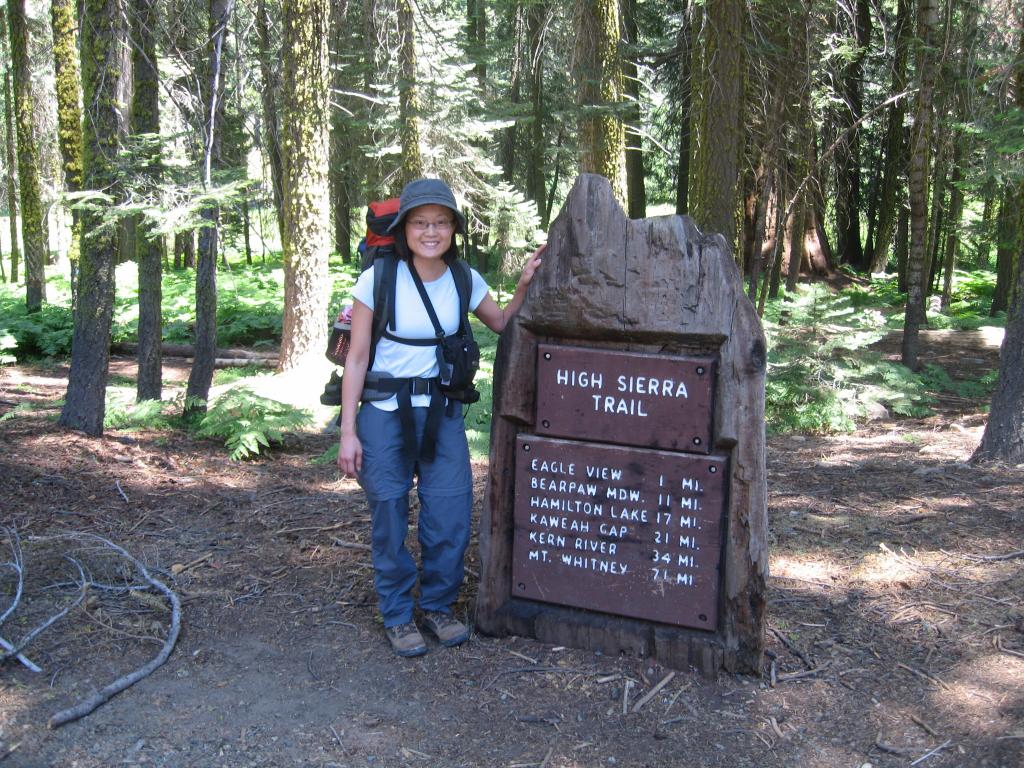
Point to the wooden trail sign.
(626, 506)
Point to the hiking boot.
(406, 640)
(446, 628)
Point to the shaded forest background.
(842, 141)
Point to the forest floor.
(895, 637)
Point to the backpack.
(377, 244)
(458, 355)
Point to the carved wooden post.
(626, 507)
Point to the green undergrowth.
(249, 309)
(824, 377)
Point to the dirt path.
(895, 630)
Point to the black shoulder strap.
(464, 287)
(385, 277)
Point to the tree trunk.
(12, 185)
(408, 100)
(246, 231)
(1006, 256)
(796, 226)
(956, 208)
(104, 38)
(146, 120)
(537, 18)
(636, 192)
(340, 140)
(32, 237)
(69, 114)
(476, 38)
(717, 94)
(915, 316)
(372, 33)
(684, 45)
(304, 126)
(984, 245)
(271, 88)
(1003, 439)
(598, 77)
(848, 197)
(510, 136)
(895, 149)
(201, 375)
(937, 221)
(901, 248)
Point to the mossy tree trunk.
(12, 161)
(69, 114)
(146, 123)
(104, 38)
(598, 76)
(32, 233)
(717, 87)
(408, 98)
(201, 375)
(304, 146)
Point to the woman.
(373, 445)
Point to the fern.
(122, 412)
(249, 423)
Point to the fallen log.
(187, 350)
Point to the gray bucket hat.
(428, 192)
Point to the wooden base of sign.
(656, 287)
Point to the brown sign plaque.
(621, 530)
(653, 401)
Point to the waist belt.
(383, 387)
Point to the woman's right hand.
(350, 454)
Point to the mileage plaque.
(621, 530)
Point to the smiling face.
(429, 230)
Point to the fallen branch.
(518, 670)
(23, 644)
(30, 665)
(792, 647)
(350, 544)
(935, 751)
(988, 558)
(101, 697)
(653, 692)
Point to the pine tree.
(599, 80)
(304, 151)
(717, 129)
(205, 345)
(148, 251)
(104, 40)
(69, 114)
(32, 234)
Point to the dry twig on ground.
(99, 698)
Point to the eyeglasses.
(421, 225)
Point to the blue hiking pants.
(445, 490)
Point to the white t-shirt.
(412, 322)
